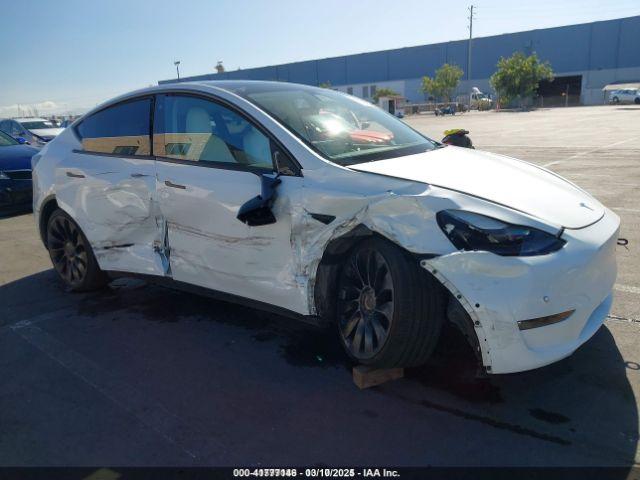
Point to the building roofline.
(200, 77)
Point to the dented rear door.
(108, 186)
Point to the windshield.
(38, 125)
(6, 140)
(344, 129)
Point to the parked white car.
(479, 100)
(36, 131)
(625, 96)
(323, 207)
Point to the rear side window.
(123, 129)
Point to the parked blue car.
(15, 173)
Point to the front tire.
(616, 100)
(390, 311)
(71, 254)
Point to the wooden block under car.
(365, 377)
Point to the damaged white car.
(323, 207)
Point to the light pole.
(177, 64)
(469, 54)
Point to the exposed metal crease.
(109, 247)
(254, 240)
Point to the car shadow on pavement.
(584, 400)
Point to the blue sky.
(68, 55)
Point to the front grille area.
(18, 174)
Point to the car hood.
(16, 157)
(499, 179)
(47, 133)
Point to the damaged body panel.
(211, 248)
(114, 202)
(505, 241)
(498, 292)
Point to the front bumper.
(15, 194)
(498, 291)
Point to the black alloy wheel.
(366, 303)
(68, 251)
(389, 309)
(71, 254)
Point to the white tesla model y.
(323, 207)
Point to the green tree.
(518, 77)
(444, 83)
(326, 84)
(384, 92)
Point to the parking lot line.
(196, 443)
(627, 288)
(623, 209)
(36, 319)
(581, 154)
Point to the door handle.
(168, 183)
(138, 175)
(75, 175)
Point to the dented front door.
(211, 248)
(209, 160)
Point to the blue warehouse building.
(584, 57)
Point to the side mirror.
(22, 140)
(365, 125)
(257, 211)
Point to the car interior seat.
(214, 149)
(257, 148)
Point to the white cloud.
(47, 105)
(40, 108)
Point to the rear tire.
(71, 254)
(389, 311)
(636, 101)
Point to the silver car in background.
(629, 95)
(36, 131)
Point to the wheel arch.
(328, 271)
(46, 209)
(324, 286)
(326, 279)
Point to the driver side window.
(198, 130)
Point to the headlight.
(3, 176)
(472, 231)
